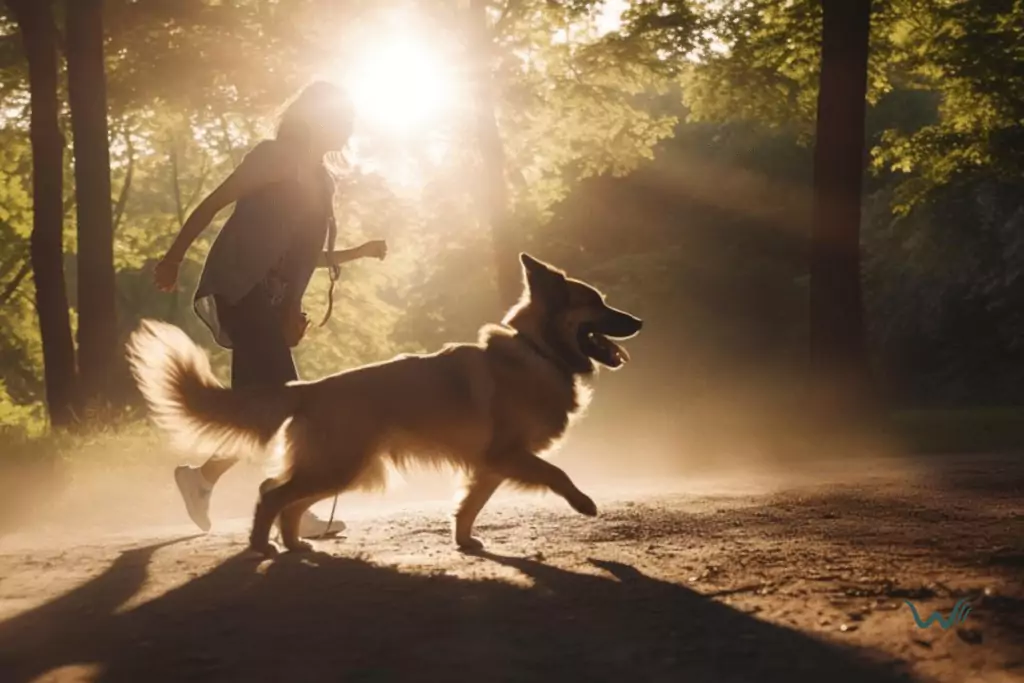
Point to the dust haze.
(640, 436)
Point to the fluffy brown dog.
(487, 409)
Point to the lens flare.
(400, 85)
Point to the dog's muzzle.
(595, 338)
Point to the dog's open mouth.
(600, 348)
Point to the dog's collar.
(546, 354)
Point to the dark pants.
(260, 355)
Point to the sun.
(400, 85)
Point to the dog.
(488, 409)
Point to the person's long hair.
(321, 103)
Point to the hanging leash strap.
(330, 520)
(334, 270)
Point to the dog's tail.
(187, 401)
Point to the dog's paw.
(469, 544)
(265, 550)
(299, 547)
(584, 505)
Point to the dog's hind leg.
(327, 470)
(528, 470)
(271, 503)
(290, 518)
(478, 490)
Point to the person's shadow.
(319, 617)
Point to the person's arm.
(339, 257)
(245, 179)
(373, 249)
(254, 173)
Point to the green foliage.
(946, 122)
(972, 55)
(20, 349)
(23, 419)
(574, 104)
(193, 85)
(761, 66)
(758, 61)
(943, 292)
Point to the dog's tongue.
(614, 350)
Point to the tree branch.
(507, 13)
(176, 183)
(232, 151)
(19, 256)
(122, 197)
(69, 204)
(12, 286)
(204, 173)
(62, 46)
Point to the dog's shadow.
(319, 617)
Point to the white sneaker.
(195, 491)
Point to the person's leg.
(241, 321)
(215, 467)
(278, 367)
(196, 485)
(269, 362)
(260, 357)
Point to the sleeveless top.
(273, 238)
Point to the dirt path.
(803, 583)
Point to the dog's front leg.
(477, 492)
(529, 470)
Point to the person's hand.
(165, 275)
(295, 325)
(377, 249)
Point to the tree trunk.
(39, 37)
(492, 153)
(838, 345)
(99, 354)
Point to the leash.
(330, 520)
(334, 271)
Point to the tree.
(496, 209)
(39, 36)
(98, 349)
(801, 67)
(837, 336)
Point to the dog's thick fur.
(488, 409)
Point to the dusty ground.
(795, 579)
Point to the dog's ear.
(536, 268)
(544, 281)
(530, 263)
